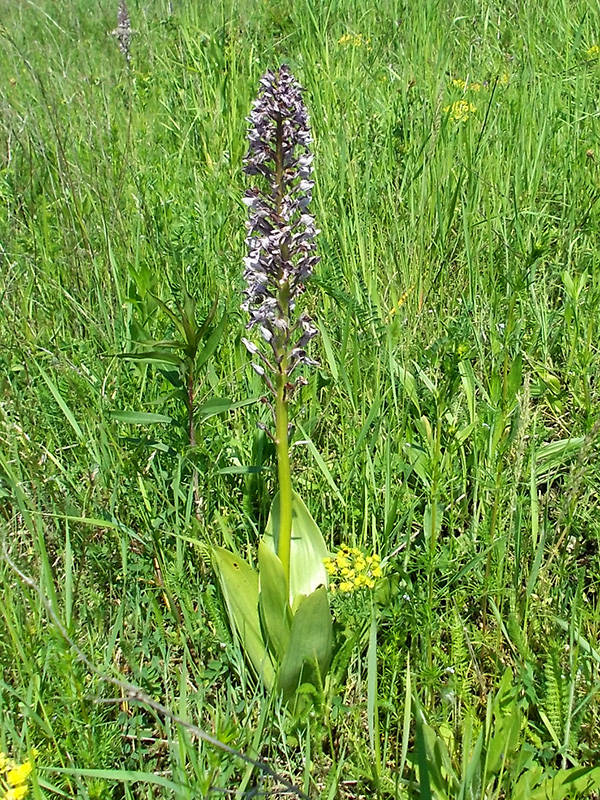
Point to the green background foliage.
(452, 426)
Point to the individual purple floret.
(280, 230)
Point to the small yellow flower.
(354, 40)
(17, 792)
(504, 79)
(350, 569)
(593, 51)
(464, 86)
(19, 774)
(460, 110)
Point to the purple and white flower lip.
(281, 232)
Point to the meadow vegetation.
(450, 432)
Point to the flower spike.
(281, 232)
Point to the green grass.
(456, 436)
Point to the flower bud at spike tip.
(281, 232)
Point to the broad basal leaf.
(310, 645)
(239, 583)
(569, 783)
(273, 603)
(307, 550)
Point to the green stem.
(281, 405)
(284, 474)
(191, 396)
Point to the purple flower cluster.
(280, 230)
(123, 30)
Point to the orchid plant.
(280, 612)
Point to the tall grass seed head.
(281, 232)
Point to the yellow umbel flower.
(593, 51)
(460, 110)
(354, 40)
(464, 86)
(351, 569)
